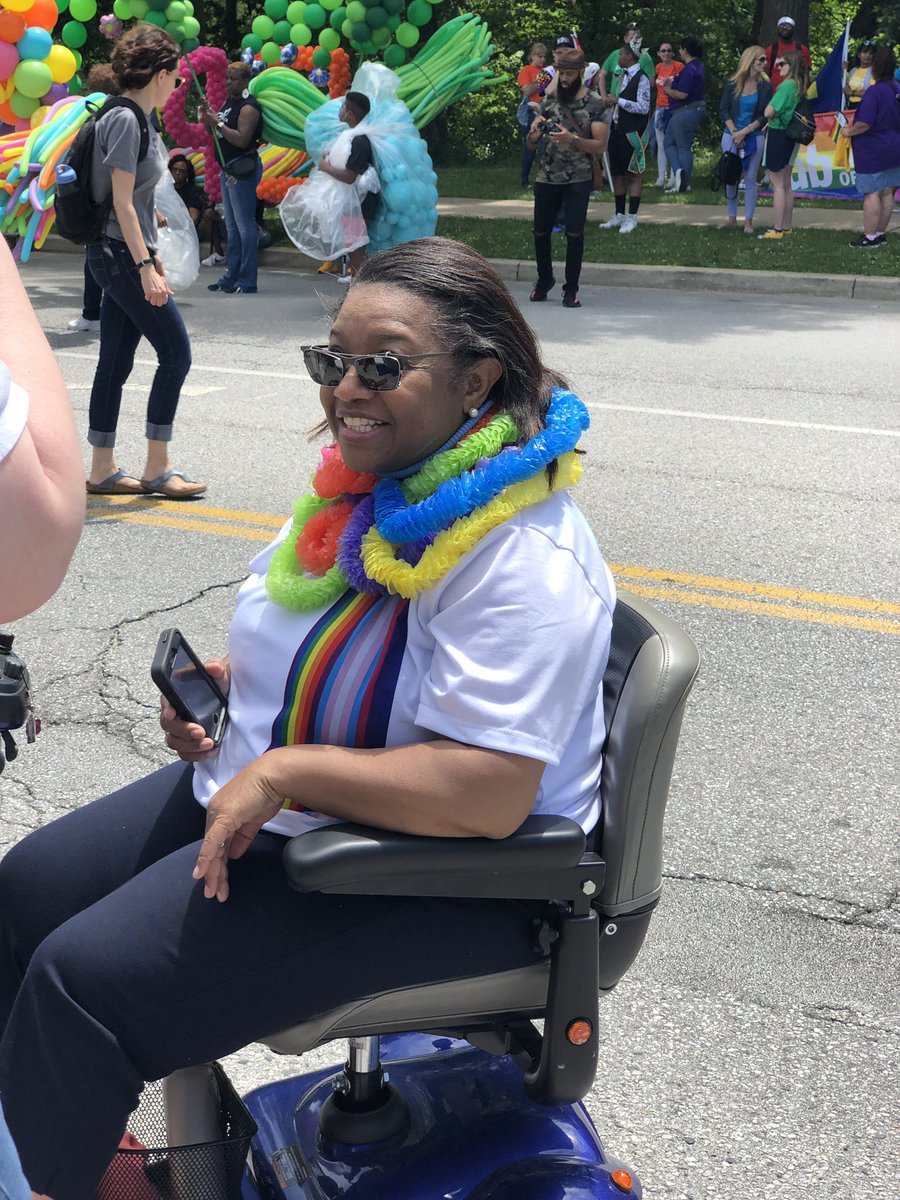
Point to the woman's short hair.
(884, 64)
(241, 68)
(189, 166)
(142, 52)
(102, 78)
(693, 45)
(475, 317)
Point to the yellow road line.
(802, 596)
(760, 608)
(238, 523)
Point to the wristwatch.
(145, 262)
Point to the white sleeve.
(521, 638)
(13, 412)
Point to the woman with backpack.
(128, 160)
(781, 150)
(875, 135)
(742, 110)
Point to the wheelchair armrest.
(544, 859)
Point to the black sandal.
(570, 298)
(539, 293)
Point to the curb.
(877, 288)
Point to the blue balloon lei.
(397, 521)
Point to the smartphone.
(188, 686)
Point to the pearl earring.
(473, 412)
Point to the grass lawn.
(812, 251)
(492, 181)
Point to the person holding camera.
(570, 126)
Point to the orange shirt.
(526, 76)
(665, 71)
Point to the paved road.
(742, 471)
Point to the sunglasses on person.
(376, 372)
(762, 58)
(779, 62)
(666, 50)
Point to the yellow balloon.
(18, 5)
(62, 63)
(38, 115)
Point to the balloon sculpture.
(212, 63)
(33, 71)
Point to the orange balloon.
(12, 25)
(43, 13)
(7, 116)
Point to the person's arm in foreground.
(41, 479)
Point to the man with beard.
(570, 124)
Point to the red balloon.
(12, 25)
(43, 14)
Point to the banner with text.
(825, 166)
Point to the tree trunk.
(765, 19)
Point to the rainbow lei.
(403, 536)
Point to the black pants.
(548, 198)
(93, 294)
(115, 970)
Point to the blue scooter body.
(473, 1134)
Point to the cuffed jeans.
(679, 140)
(126, 317)
(239, 199)
(573, 199)
(114, 969)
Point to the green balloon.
(175, 12)
(356, 12)
(282, 33)
(191, 28)
(263, 27)
(271, 53)
(83, 10)
(347, 29)
(188, 7)
(23, 106)
(419, 13)
(122, 9)
(156, 18)
(370, 3)
(61, 6)
(361, 31)
(392, 6)
(393, 23)
(381, 37)
(301, 35)
(368, 47)
(139, 8)
(74, 35)
(329, 39)
(276, 9)
(33, 78)
(158, 5)
(322, 59)
(330, 5)
(294, 12)
(394, 56)
(376, 17)
(189, 45)
(337, 18)
(250, 41)
(315, 16)
(76, 86)
(407, 35)
(175, 30)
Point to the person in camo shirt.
(570, 125)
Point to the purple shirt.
(879, 149)
(691, 80)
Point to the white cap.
(786, 21)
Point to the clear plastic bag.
(179, 248)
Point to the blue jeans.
(12, 1182)
(126, 317)
(93, 295)
(679, 140)
(239, 199)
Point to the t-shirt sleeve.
(13, 412)
(119, 133)
(521, 637)
(360, 157)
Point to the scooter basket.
(209, 1170)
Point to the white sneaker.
(675, 182)
(629, 224)
(614, 222)
(214, 260)
(346, 277)
(85, 326)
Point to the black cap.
(564, 39)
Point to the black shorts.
(620, 151)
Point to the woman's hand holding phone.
(190, 741)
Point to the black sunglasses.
(376, 372)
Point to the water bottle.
(65, 174)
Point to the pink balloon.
(9, 59)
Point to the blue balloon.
(257, 67)
(248, 57)
(34, 43)
(289, 54)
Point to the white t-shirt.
(13, 412)
(506, 652)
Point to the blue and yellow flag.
(827, 90)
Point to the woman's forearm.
(440, 788)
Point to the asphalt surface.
(742, 471)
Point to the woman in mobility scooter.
(421, 650)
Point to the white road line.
(693, 415)
(682, 413)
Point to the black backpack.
(727, 171)
(79, 217)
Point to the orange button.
(579, 1032)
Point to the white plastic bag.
(323, 218)
(179, 247)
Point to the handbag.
(243, 165)
(727, 171)
(802, 127)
